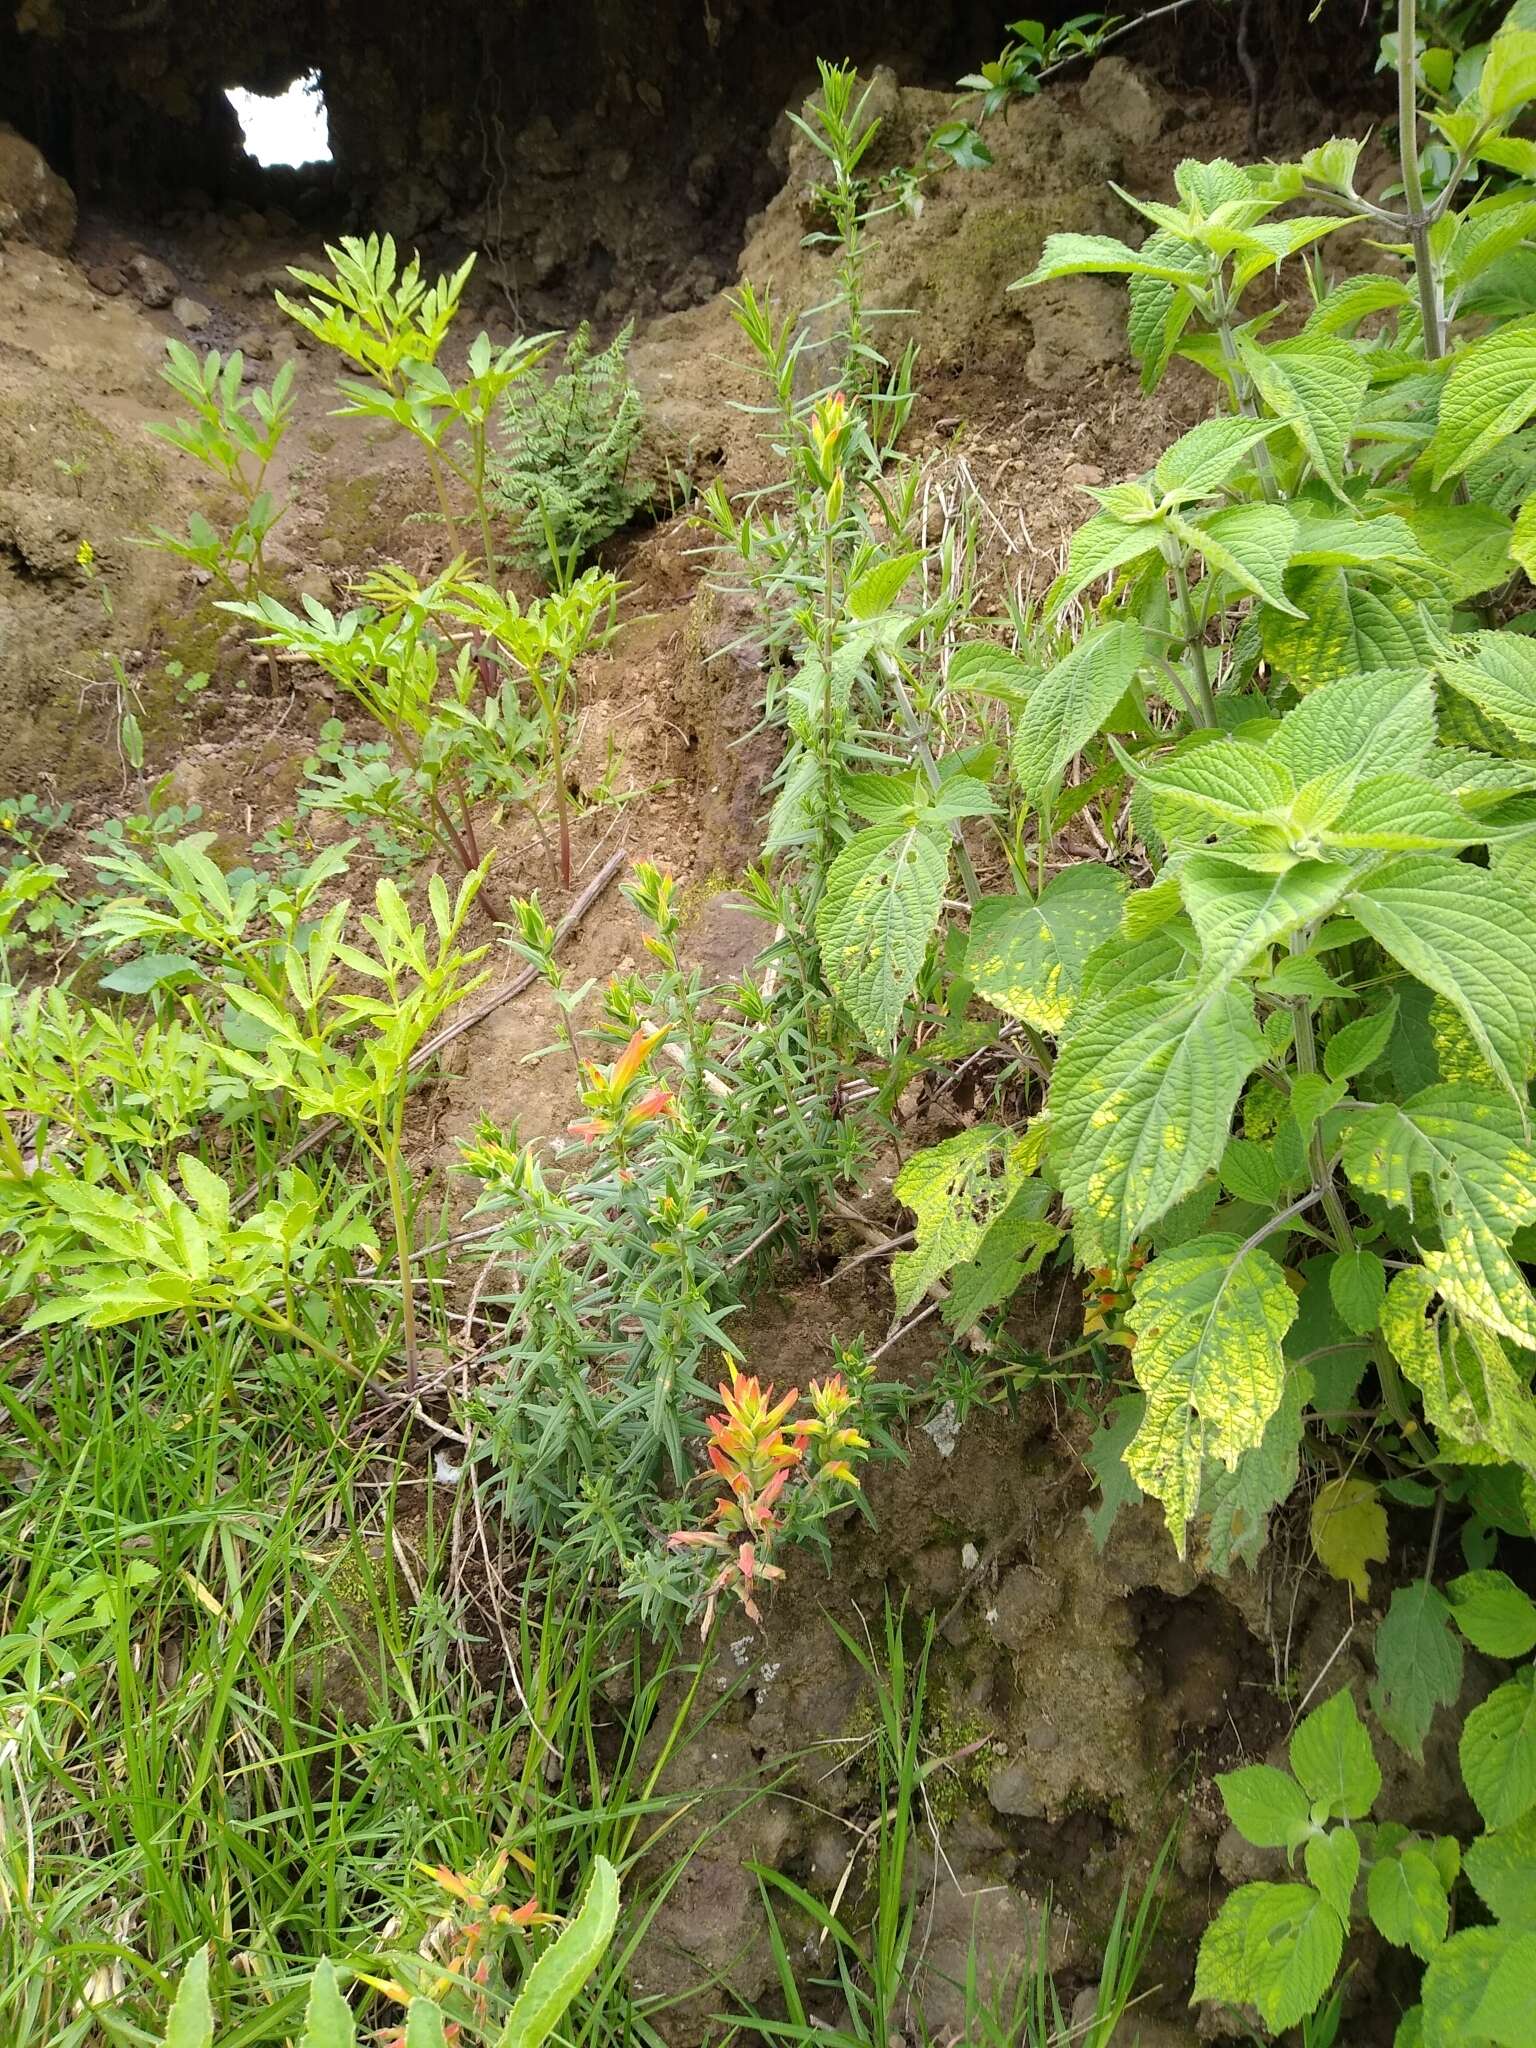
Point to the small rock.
(35, 202)
(313, 582)
(1042, 1736)
(1126, 102)
(192, 313)
(106, 278)
(1011, 1790)
(253, 345)
(330, 552)
(152, 282)
(1082, 473)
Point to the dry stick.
(330, 1125)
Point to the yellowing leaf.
(1026, 958)
(1349, 1531)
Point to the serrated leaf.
(1141, 1108)
(1449, 925)
(1497, 672)
(565, 1965)
(1238, 914)
(1498, 1751)
(1419, 1665)
(1333, 1865)
(1457, 1982)
(1209, 1318)
(1489, 395)
(1502, 1869)
(189, 2024)
(1251, 544)
(1349, 1531)
(1332, 1757)
(1472, 1393)
(1027, 958)
(1230, 780)
(1407, 1901)
(1358, 1283)
(1098, 547)
(1493, 1614)
(1504, 2012)
(1359, 1043)
(1463, 1145)
(1401, 814)
(1075, 255)
(878, 588)
(956, 1190)
(1105, 1459)
(1266, 1806)
(1315, 386)
(1508, 76)
(1070, 703)
(877, 915)
(1008, 1254)
(1240, 1502)
(1347, 627)
(1276, 1946)
(1200, 461)
(1382, 719)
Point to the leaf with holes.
(956, 1191)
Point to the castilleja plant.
(778, 1478)
(622, 1098)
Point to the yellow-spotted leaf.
(1473, 1393)
(1209, 1318)
(1026, 958)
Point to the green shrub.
(563, 474)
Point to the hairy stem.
(1425, 273)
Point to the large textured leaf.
(1159, 311)
(1489, 395)
(1401, 814)
(1315, 385)
(1347, 627)
(1407, 1901)
(1477, 1181)
(1497, 671)
(1493, 1614)
(1200, 461)
(1101, 255)
(1231, 780)
(956, 1190)
(1502, 1869)
(1473, 1394)
(1238, 914)
(1276, 1946)
(1239, 1502)
(1332, 1756)
(1464, 1973)
(1141, 1109)
(1450, 925)
(1419, 1664)
(1026, 958)
(1070, 702)
(875, 921)
(1208, 1319)
(1384, 719)
(1099, 545)
(1498, 1751)
(1251, 544)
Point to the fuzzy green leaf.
(1315, 385)
(1098, 547)
(1493, 1614)
(1333, 1865)
(1101, 255)
(1459, 1979)
(1384, 719)
(1251, 544)
(1070, 703)
(876, 918)
(1276, 1946)
(1266, 1806)
(1489, 395)
(1358, 1282)
(1200, 461)
(1347, 627)
(1498, 1751)
(1331, 1755)
(1502, 1868)
(1419, 1664)
(1238, 914)
(566, 1964)
(189, 2023)
(1407, 1901)
(1497, 671)
(1360, 1042)
(1208, 1318)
